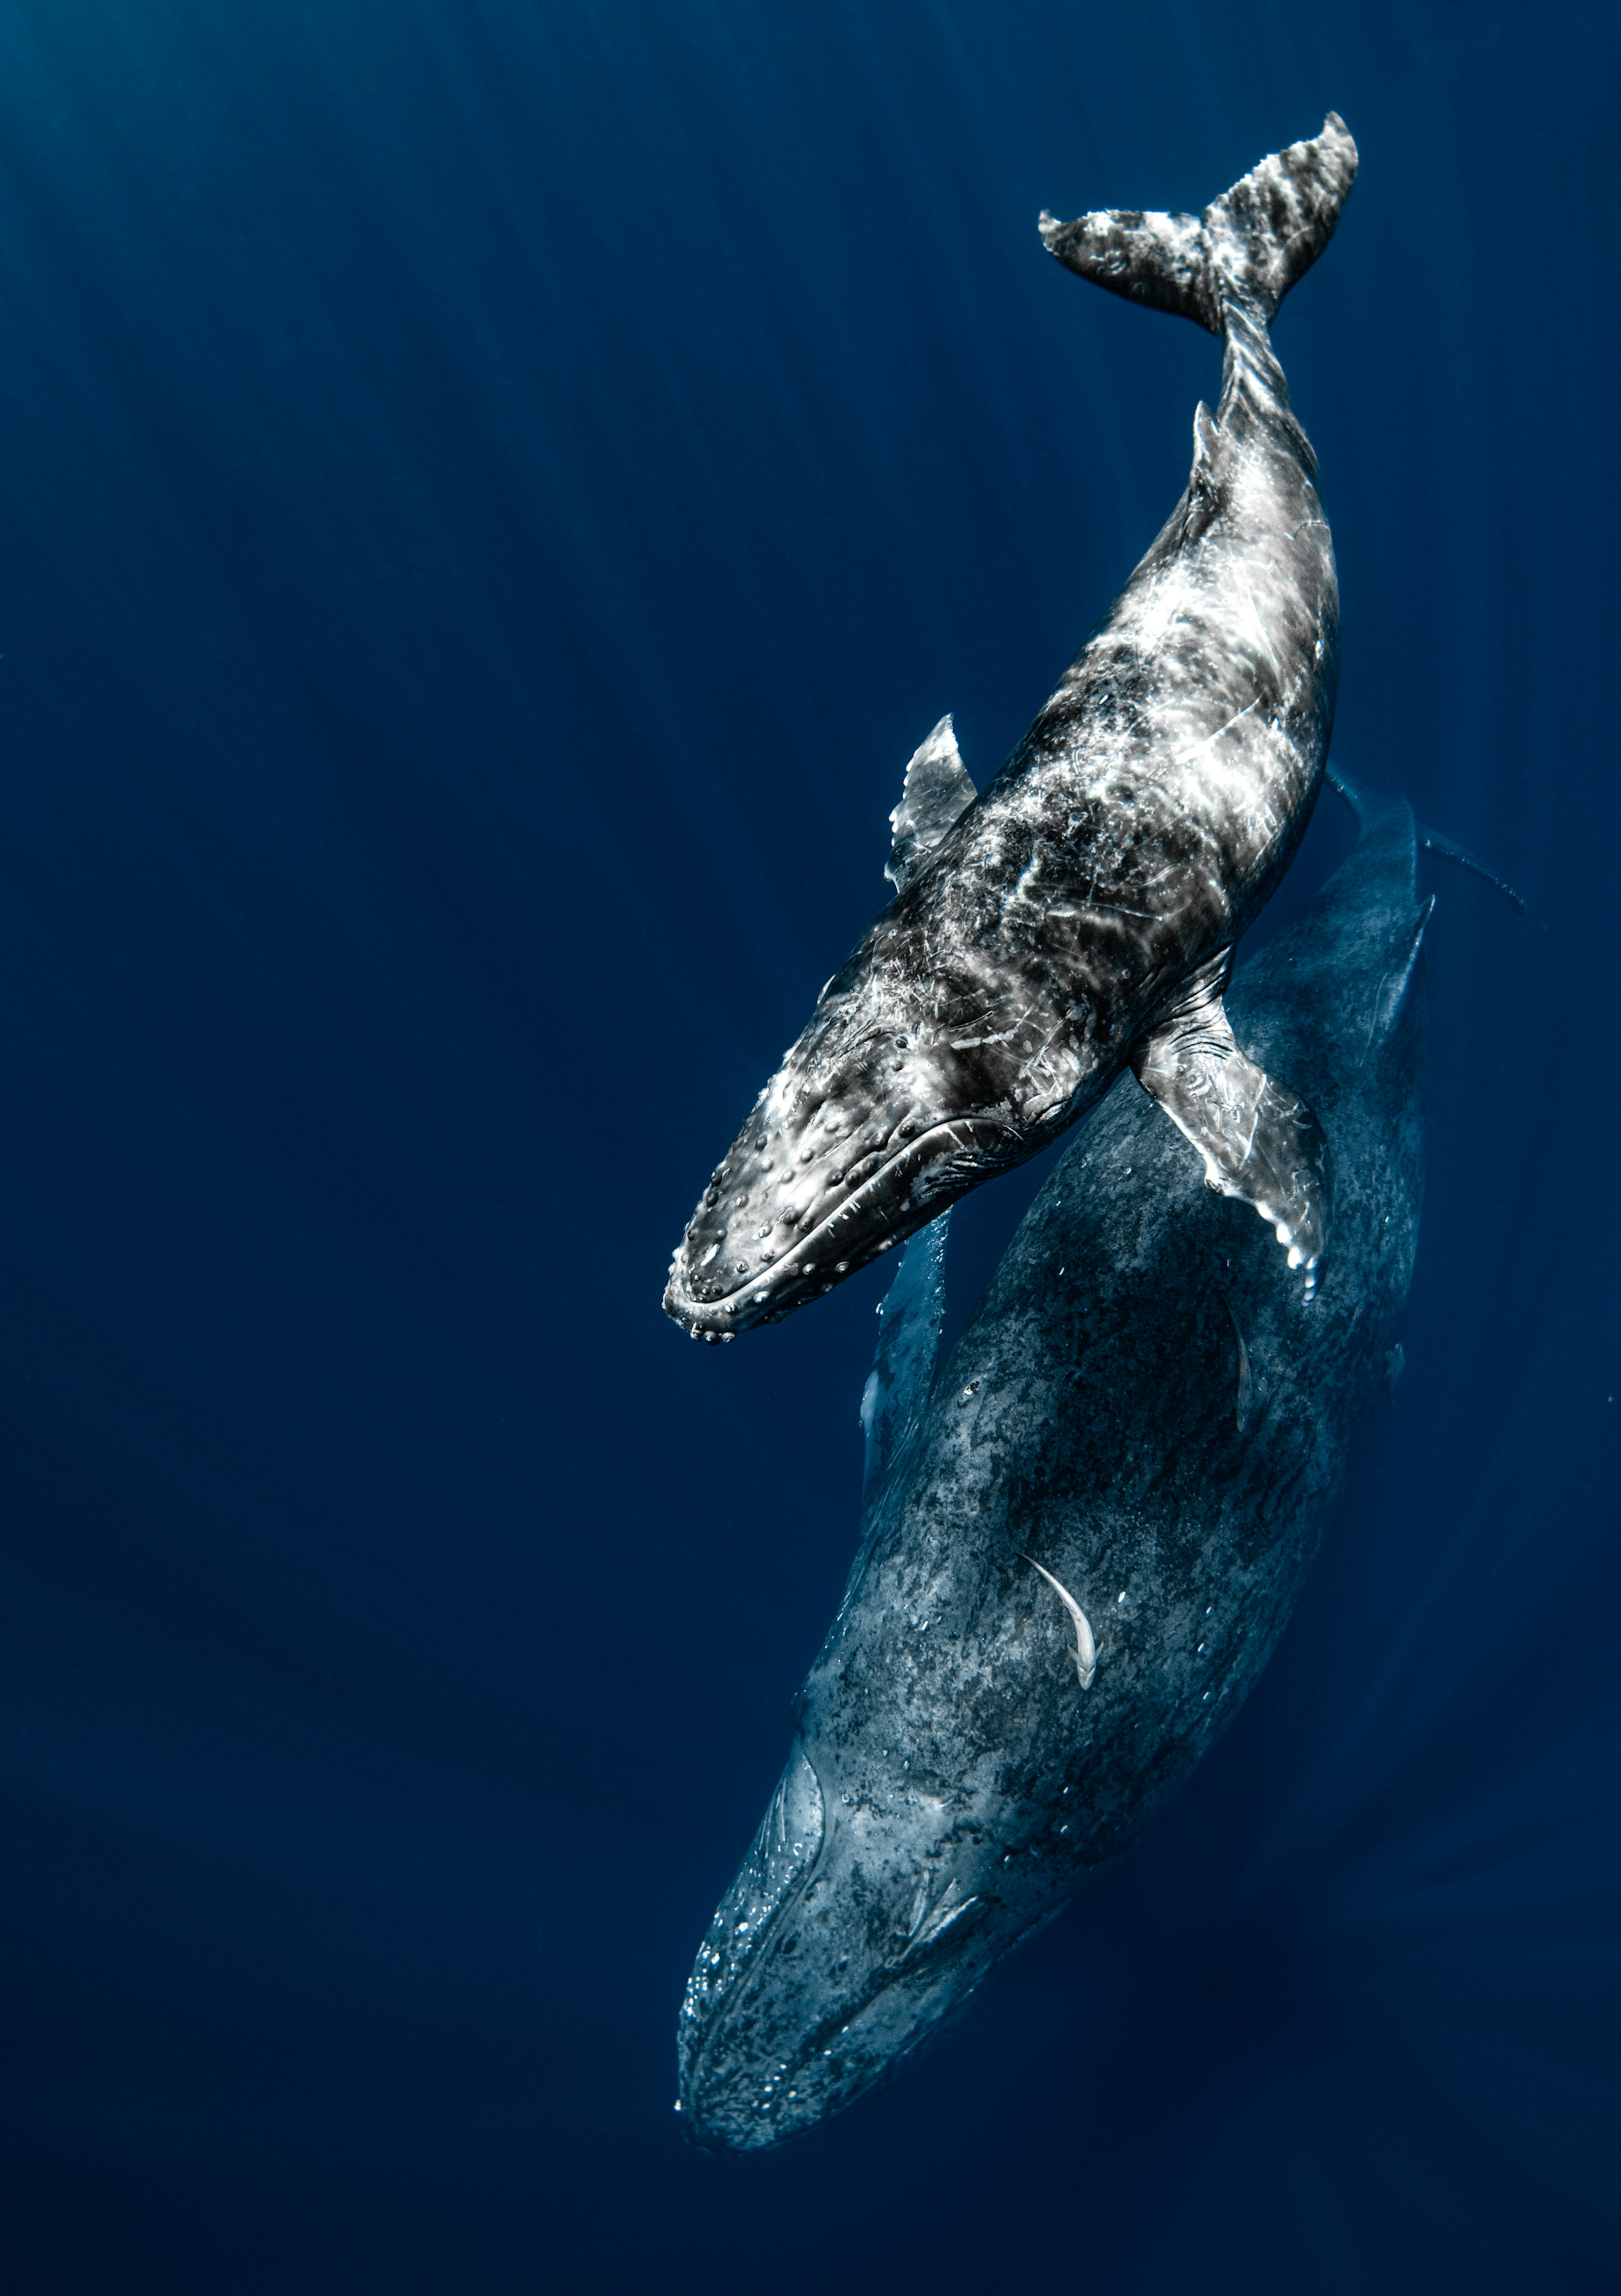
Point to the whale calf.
(1079, 915)
(1080, 1541)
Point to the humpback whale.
(1080, 1541)
(1079, 915)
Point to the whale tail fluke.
(1250, 246)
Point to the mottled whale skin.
(1144, 1414)
(1080, 914)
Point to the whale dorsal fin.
(1204, 493)
(936, 792)
(1086, 1650)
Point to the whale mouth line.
(754, 2129)
(724, 1315)
(721, 2131)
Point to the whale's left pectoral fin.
(1258, 1141)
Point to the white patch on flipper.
(1256, 1141)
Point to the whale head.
(873, 1122)
(944, 1051)
(860, 1922)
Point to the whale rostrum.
(1080, 1539)
(1078, 916)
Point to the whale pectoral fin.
(899, 1385)
(1259, 1143)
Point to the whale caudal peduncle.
(1077, 916)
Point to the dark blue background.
(491, 492)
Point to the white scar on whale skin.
(1085, 1651)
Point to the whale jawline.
(790, 1281)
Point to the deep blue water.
(491, 492)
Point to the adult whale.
(1081, 914)
(1079, 1544)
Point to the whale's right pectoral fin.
(1258, 1142)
